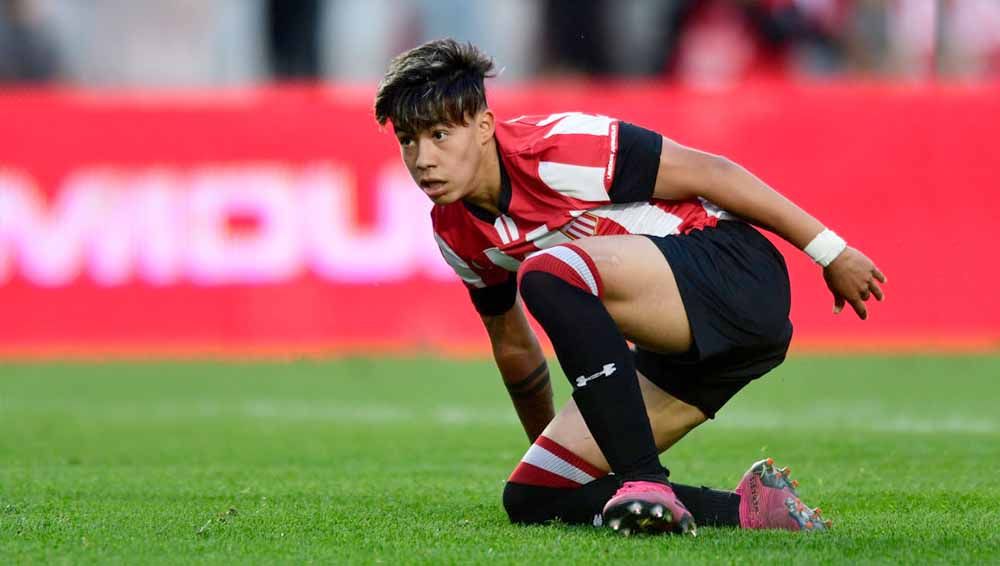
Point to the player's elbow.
(714, 173)
(720, 165)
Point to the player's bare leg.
(638, 291)
(637, 299)
(669, 417)
(567, 451)
(642, 297)
(768, 498)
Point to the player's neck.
(486, 193)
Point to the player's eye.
(440, 135)
(405, 142)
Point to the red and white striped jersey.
(557, 172)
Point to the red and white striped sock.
(551, 482)
(549, 464)
(562, 288)
(569, 263)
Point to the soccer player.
(609, 233)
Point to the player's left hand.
(853, 278)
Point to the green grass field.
(403, 461)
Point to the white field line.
(868, 417)
(900, 423)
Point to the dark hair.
(439, 82)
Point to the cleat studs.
(626, 531)
(688, 527)
(657, 511)
(615, 524)
(786, 471)
(770, 461)
(817, 511)
(828, 523)
(795, 483)
(635, 508)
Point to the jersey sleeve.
(495, 299)
(492, 290)
(572, 154)
(637, 164)
(588, 158)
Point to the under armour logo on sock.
(607, 370)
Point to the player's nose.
(425, 154)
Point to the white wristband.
(825, 247)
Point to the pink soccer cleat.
(647, 507)
(768, 500)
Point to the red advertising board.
(279, 221)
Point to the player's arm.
(518, 355)
(686, 173)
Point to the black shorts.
(734, 285)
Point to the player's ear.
(485, 125)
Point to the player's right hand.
(853, 278)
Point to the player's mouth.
(433, 187)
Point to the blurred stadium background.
(182, 179)
(206, 177)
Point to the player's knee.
(549, 270)
(521, 506)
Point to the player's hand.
(853, 278)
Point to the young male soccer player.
(611, 233)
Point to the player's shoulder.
(532, 133)
(561, 121)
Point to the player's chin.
(446, 197)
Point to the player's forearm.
(740, 192)
(686, 173)
(523, 369)
(530, 391)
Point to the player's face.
(444, 160)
